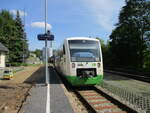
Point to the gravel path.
(136, 86)
(36, 102)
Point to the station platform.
(59, 102)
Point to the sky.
(66, 18)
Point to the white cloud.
(22, 13)
(105, 11)
(41, 25)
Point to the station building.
(3, 51)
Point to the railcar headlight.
(73, 65)
(98, 65)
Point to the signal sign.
(45, 36)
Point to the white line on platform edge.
(48, 99)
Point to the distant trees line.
(129, 43)
(38, 53)
(13, 36)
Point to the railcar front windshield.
(84, 50)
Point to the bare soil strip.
(14, 92)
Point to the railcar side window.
(64, 50)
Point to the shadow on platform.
(38, 77)
(54, 77)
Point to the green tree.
(105, 52)
(7, 32)
(38, 53)
(129, 39)
(21, 43)
(12, 35)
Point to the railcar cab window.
(84, 51)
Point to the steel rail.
(97, 101)
(89, 107)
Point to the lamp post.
(47, 36)
(46, 60)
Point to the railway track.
(137, 77)
(98, 102)
(95, 100)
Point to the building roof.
(3, 48)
